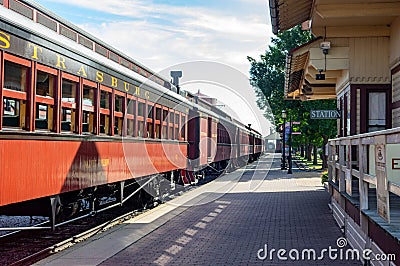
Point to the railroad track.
(28, 247)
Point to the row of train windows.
(15, 108)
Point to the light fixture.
(320, 76)
(284, 115)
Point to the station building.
(355, 58)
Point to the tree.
(267, 76)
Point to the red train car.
(80, 121)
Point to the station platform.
(241, 218)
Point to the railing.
(366, 169)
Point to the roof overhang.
(305, 62)
(286, 14)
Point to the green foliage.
(267, 76)
(324, 177)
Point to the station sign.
(324, 114)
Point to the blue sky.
(160, 33)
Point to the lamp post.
(283, 165)
(290, 146)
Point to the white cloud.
(160, 35)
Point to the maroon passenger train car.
(80, 120)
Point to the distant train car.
(81, 121)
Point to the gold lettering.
(82, 71)
(147, 94)
(99, 76)
(137, 92)
(5, 40)
(60, 62)
(35, 50)
(114, 82)
(126, 86)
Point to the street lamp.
(283, 165)
(290, 146)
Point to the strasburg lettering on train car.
(44, 55)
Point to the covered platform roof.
(327, 19)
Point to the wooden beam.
(352, 31)
(342, 10)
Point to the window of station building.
(88, 112)
(45, 84)
(376, 111)
(68, 100)
(15, 76)
(104, 112)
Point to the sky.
(162, 34)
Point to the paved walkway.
(242, 218)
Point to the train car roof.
(70, 25)
(43, 32)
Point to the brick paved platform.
(230, 221)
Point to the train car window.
(45, 84)
(118, 125)
(14, 113)
(164, 124)
(88, 113)
(141, 129)
(158, 114)
(171, 125)
(130, 110)
(176, 133)
(119, 117)
(164, 133)
(158, 123)
(118, 103)
(158, 131)
(150, 130)
(104, 100)
(150, 111)
(69, 89)
(140, 118)
(105, 112)
(130, 129)
(88, 95)
(67, 119)
(42, 118)
(15, 76)
(165, 115)
(68, 98)
(131, 107)
(141, 109)
(183, 128)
